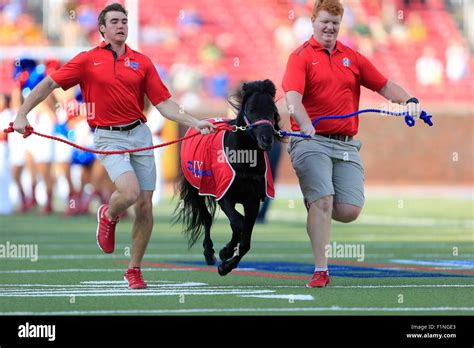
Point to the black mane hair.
(238, 100)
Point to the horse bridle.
(262, 121)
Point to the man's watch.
(413, 100)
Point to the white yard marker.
(130, 293)
(74, 270)
(285, 297)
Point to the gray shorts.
(141, 163)
(326, 167)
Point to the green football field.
(417, 260)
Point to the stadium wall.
(392, 153)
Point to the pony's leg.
(207, 243)
(236, 223)
(243, 246)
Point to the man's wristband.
(413, 100)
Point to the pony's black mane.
(237, 101)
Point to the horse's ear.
(269, 87)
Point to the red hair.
(334, 7)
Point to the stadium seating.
(244, 35)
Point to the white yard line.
(289, 297)
(131, 293)
(173, 289)
(73, 270)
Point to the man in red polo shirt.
(114, 79)
(323, 77)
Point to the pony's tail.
(193, 211)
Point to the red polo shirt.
(113, 88)
(330, 84)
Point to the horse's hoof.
(210, 259)
(221, 270)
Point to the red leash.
(29, 130)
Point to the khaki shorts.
(328, 167)
(141, 163)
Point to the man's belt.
(121, 128)
(339, 137)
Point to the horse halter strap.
(257, 122)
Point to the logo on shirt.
(346, 62)
(133, 65)
(97, 63)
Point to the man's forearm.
(296, 108)
(37, 95)
(395, 93)
(300, 115)
(172, 111)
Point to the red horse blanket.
(205, 164)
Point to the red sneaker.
(47, 210)
(134, 278)
(105, 230)
(319, 280)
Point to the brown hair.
(334, 7)
(112, 7)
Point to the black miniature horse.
(255, 104)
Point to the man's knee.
(323, 205)
(345, 212)
(144, 206)
(127, 185)
(131, 194)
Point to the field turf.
(418, 260)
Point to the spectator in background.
(399, 34)
(189, 22)
(407, 3)
(66, 107)
(183, 77)
(390, 15)
(162, 33)
(416, 28)
(377, 31)
(43, 119)
(302, 28)
(346, 38)
(209, 53)
(5, 175)
(457, 59)
(31, 33)
(17, 156)
(284, 39)
(67, 110)
(71, 33)
(8, 32)
(80, 133)
(429, 69)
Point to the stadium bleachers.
(244, 35)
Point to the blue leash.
(409, 120)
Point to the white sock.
(321, 269)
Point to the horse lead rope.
(410, 121)
(30, 130)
